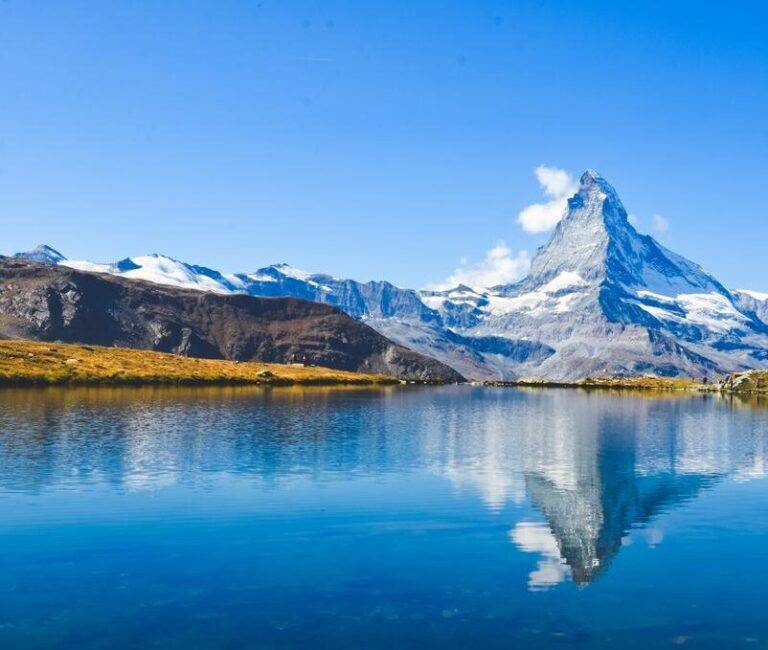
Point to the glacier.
(600, 299)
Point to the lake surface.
(399, 517)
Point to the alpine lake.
(397, 517)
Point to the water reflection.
(597, 467)
(594, 467)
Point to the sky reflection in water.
(216, 517)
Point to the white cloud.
(634, 220)
(500, 266)
(556, 183)
(659, 224)
(558, 186)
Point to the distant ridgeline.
(47, 302)
(600, 299)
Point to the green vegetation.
(31, 363)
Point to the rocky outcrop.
(56, 303)
(754, 382)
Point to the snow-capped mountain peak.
(600, 298)
(612, 300)
(596, 240)
(580, 241)
(292, 271)
(42, 254)
(593, 184)
(162, 269)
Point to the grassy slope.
(28, 362)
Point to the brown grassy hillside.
(28, 362)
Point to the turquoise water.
(401, 517)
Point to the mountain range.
(600, 298)
(48, 302)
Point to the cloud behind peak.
(558, 186)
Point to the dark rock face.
(55, 303)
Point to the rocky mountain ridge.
(48, 302)
(600, 299)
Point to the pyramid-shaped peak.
(45, 249)
(591, 176)
(594, 190)
(592, 180)
(596, 241)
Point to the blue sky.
(377, 139)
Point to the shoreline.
(33, 363)
(747, 383)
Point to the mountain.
(403, 315)
(753, 303)
(43, 254)
(51, 302)
(613, 301)
(600, 298)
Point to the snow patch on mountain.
(600, 298)
(92, 267)
(162, 269)
(756, 295)
(293, 272)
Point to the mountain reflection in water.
(594, 466)
(597, 469)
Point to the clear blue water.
(407, 517)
